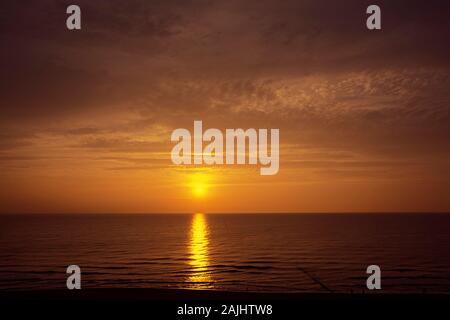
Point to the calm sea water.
(273, 252)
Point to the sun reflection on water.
(198, 249)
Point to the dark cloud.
(309, 67)
(130, 51)
(13, 140)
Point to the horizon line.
(228, 213)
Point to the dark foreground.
(138, 294)
(178, 304)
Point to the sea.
(228, 252)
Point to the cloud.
(139, 69)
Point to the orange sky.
(87, 115)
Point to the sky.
(86, 116)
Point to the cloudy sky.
(86, 116)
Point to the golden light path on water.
(198, 250)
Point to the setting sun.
(199, 184)
(199, 190)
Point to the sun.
(199, 184)
(199, 190)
